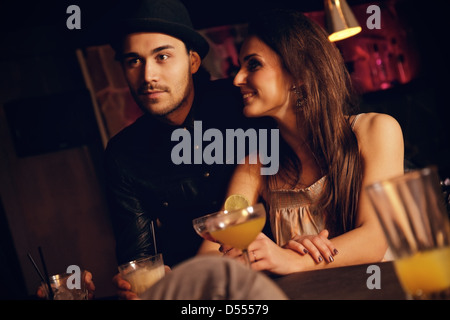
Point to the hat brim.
(189, 36)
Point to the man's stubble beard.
(168, 110)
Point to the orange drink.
(412, 213)
(207, 236)
(236, 226)
(425, 272)
(240, 235)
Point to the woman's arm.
(380, 141)
(246, 180)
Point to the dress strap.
(354, 120)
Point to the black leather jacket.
(144, 184)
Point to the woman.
(293, 74)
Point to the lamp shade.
(341, 23)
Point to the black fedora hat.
(163, 16)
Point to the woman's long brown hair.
(311, 59)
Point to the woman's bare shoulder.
(380, 142)
(370, 126)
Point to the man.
(160, 54)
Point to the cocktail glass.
(199, 225)
(237, 228)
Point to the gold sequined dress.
(290, 213)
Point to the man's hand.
(88, 281)
(124, 288)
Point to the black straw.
(36, 268)
(154, 237)
(50, 290)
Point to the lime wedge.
(236, 202)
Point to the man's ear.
(196, 61)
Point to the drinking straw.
(50, 290)
(154, 238)
(36, 268)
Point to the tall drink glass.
(416, 223)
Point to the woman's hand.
(264, 254)
(318, 246)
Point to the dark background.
(427, 135)
(34, 39)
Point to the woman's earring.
(300, 98)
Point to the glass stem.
(247, 258)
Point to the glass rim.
(223, 211)
(141, 259)
(60, 276)
(63, 275)
(413, 174)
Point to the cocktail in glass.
(199, 225)
(237, 228)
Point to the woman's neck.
(295, 134)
